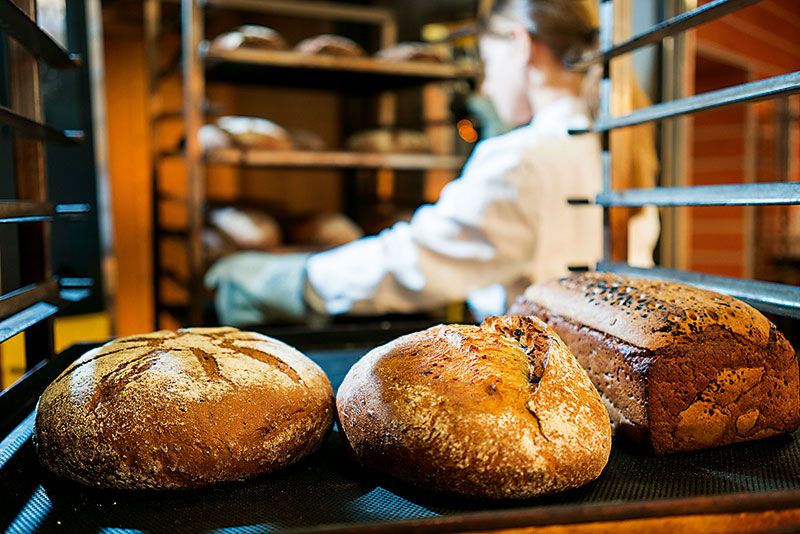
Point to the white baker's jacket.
(506, 216)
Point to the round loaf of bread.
(330, 45)
(182, 409)
(499, 410)
(250, 36)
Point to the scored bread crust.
(502, 410)
(182, 409)
(679, 368)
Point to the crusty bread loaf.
(385, 140)
(679, 368)
(255, 133)
(501, 410)
(409, 51)
(326, 230)
(330, 45)
(182, 409)
(250, 36)
(249, 229)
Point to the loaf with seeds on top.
(679, 368)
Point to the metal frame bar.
(313, 9)
(27, 211)
(768, 297)
(32, 304)
(667, 28)
(25, 31)
(31, 128)
(755, 194)
(787, 84)
(16, 301)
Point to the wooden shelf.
(311, 159)
(352, 73)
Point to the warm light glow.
(466, 131)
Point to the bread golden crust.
(502, 410)
(710, 384)
(250, 36)
(252, 133)
(182, 409)
(646, 313)
(409, 51)
(330, 45)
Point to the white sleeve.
(476, 235)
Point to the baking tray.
(327, 493)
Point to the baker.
(505, 220)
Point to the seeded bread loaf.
(182, 409)
(679, 368)
(502, 410)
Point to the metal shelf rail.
(773, 298)
(29, 308)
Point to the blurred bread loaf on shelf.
(212, 137)
(326, 230)
(182, 409)
(255, 133)
(679, 368)
(410, 51)
(386, 140)
(247, 229)
(330, 45)
(250, 36)
(303, 139)
(217, 245)
(500, 410)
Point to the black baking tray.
(327, 493)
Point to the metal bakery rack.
(749, 487)
(773, 298)
(30, 307)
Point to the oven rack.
(30, 308)
(779, 299)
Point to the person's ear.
(522, 42)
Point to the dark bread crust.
(502, 410)
(713, 387)
(182, 409)
(650, 314)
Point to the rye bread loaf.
(679, 368)
(182, 409)
(499, 410)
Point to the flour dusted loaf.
(250, 36)
(679, 368)
(385, 140)
(409, 51)
(182, 409)
(499, 410)
(330, 45)
(253, 133)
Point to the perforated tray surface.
(326, 492)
